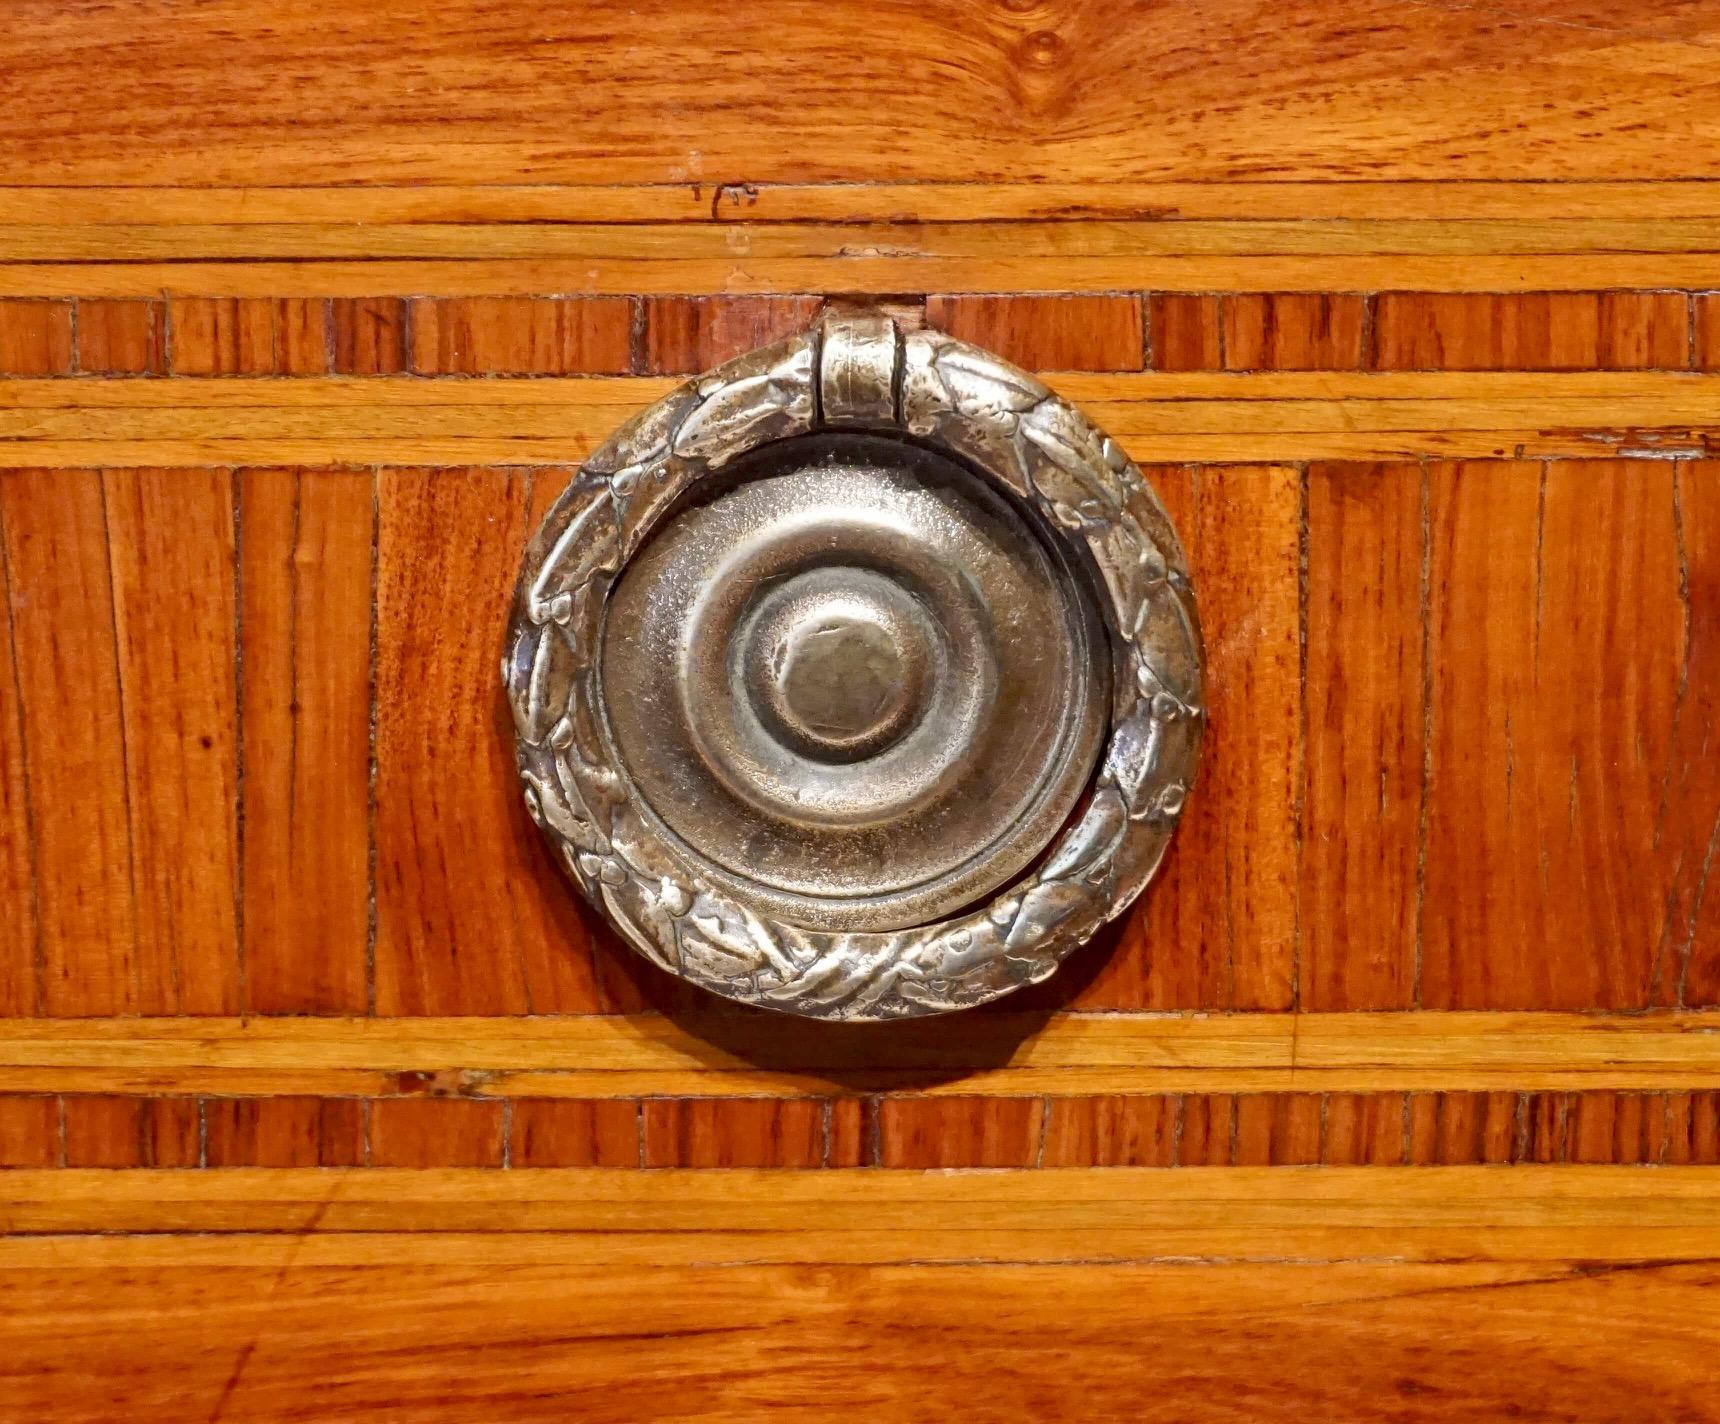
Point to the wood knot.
(1042, 49)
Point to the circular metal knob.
(859, 678)
(855, 680)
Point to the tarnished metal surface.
(828, 646)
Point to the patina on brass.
(859, 678)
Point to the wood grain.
(1320, 584)
(1561, 206)
(121, 338)
(570, 1133)
(447, 549)
(740, 1215)
(986, 1054)
(35, 338)
(1208, 1131)
(1185, 333)
(843, 261)
(433, 1132)
(1450, 1129)
(961, 1132)
(1531, 1342)
(1557, 644)
(110, 1131)
(1158, 417)
(1362, 795)
(30, 1132)
(1294, 331)
(1705, 333)
(1365, 1129)
(248, 336)
(1112, 1131)
(286, 1132)
(1571, 331)
(1221, 930)
(65, 655)
(683, 335)
(1687, 964)
(20, 933)
(1097, 333)
(1693, 1128)
(172, 552)
(1279, 1129)
(1288, 1128)
(851, 1139)
(1065, 94)
(766, 252)
(737, 1133)
(369, 336)
(519, 336)
(305, 627)
(1607, 1127)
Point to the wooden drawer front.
(319, 1087)
(1442, 687)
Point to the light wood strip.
(696, 1216)
(1681, 442)
(1158, 417)
(627, 392)
(879, 265)
(1693, 405)
(1070, 1054)
(761, 246)
(1445, 203)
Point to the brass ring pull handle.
(859, 678)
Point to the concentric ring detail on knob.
(836, 663)
(889, 692)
